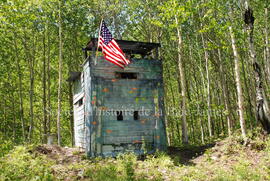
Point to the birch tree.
(59, 98)
(238, 83)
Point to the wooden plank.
(126, 139)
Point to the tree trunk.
(167, 123)
(20, 87)
(199, 111)
(60, 78)
(225, 93)
(262, 107)
(31, 128)
(5, 118)
(30, 57)
(174, 105)
(198, 97)
(48, 86)
(183, 84)
(13, 116)
(203, 88)
(71, 123)
(206, 56)
(248, 86)
(238, 85)
(267, 51)
(44, 100)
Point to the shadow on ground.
(186, 154)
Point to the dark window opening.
(119, 115)
(126, 75)
(136, 115)
(80, 102)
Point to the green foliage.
(127, 167)
(103, 172)
(29, 39)
(5, 147)
(228, 160)
(241, 171)
(128, 162)
(121, 168)
(19, 164)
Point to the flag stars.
(110, 48)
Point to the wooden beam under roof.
(129, 47)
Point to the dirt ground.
(188, 154)
(226, 153)
(62, 155)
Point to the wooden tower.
(120, 110)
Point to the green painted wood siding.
(105, 94)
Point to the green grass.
(20, 164)
(229, 160)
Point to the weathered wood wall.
(105, 93)
(79, 122)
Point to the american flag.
(110, 49)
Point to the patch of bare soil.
(187, 154)
(65, 159)
(62, 155)
(228, 153)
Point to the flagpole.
(98, 41)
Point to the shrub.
(5, 146)
(19, 164)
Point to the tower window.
(126, 75)
(119, 115)
(136, 115)
(79, 102)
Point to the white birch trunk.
(59, 79)
(206, 56)
(183, 84)
(238, 86)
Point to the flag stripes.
(110, 49)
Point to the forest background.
(208, 63)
